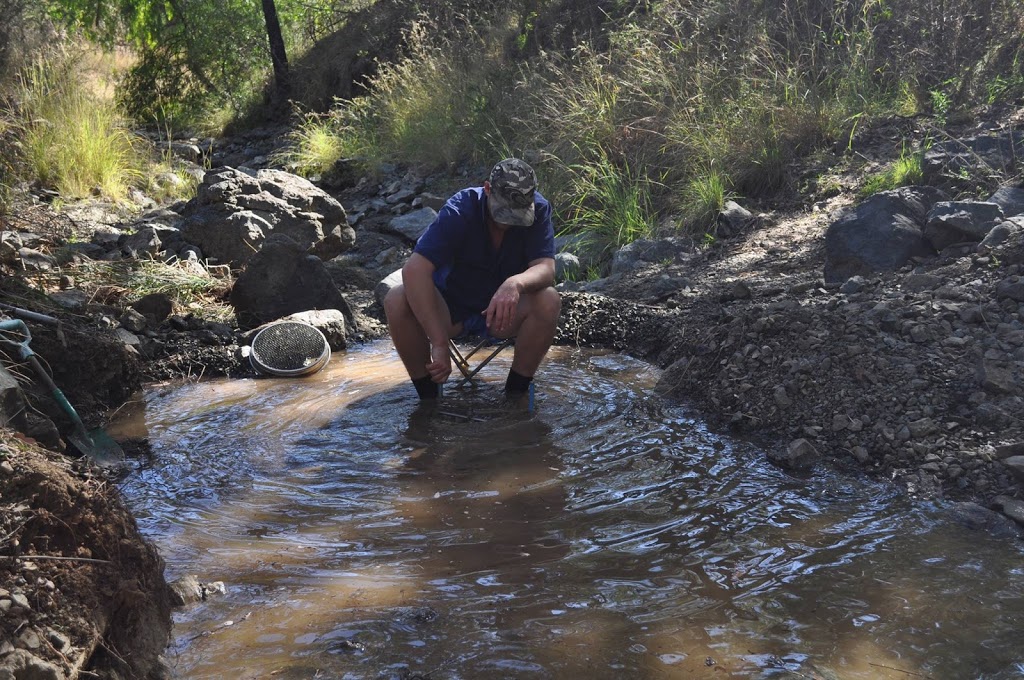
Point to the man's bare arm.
(418, 282)
(501, 312)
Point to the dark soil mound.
(79, 587)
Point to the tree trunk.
(282, 85)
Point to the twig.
(893, 668)
(4, 539)
(55, 558)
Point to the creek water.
(604, 535)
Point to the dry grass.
(189, 285)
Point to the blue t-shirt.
(468, 268)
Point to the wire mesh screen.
(289, 348)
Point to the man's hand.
(501, 313)
(440, 366)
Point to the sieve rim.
(313, 367)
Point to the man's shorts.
(473, 322)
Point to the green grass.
(167, 181)
(704, 196)
(612, 207)
(905, 171)
(187, 287)
(431, 108)
(71, 140)
(679, 107)
(314, 147)
(61, 128)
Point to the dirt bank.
(898, 375)
(80, 590)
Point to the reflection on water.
(606, 535)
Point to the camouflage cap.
(513, 185)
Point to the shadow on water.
(606, 535)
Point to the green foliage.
(704, 196)
(70, 139)
(942, 103)
(313, 147)
(195, 57)
(905, 171)
(1007, 85)
(669, 111)
(658, 112)
(433, 107)
(611, 206)
(58, 129)
(212, 55)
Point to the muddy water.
(606, 535)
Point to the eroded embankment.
(80, 589)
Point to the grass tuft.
(704, 196)
(72, 140)
(313, 147)
(612, 205)
(187, 284)
(905, 171)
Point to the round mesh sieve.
(289, 348)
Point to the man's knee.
(395, 303)
(548, 305)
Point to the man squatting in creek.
(484, 266)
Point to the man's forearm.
(538, 276)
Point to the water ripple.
(607, 535)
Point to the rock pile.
(917, 374)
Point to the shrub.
(70, 139)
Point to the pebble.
(29, 639)
(6, 467)
(59, 640)
(20, 600)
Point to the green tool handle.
(58, 395)
(30, 315)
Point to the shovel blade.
(98, 446)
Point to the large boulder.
(881, 234)
(1010, 199)
(226, 234)
(233, 212)
(980, 156)
(283, 279)
(646, 251)
(952, 222)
